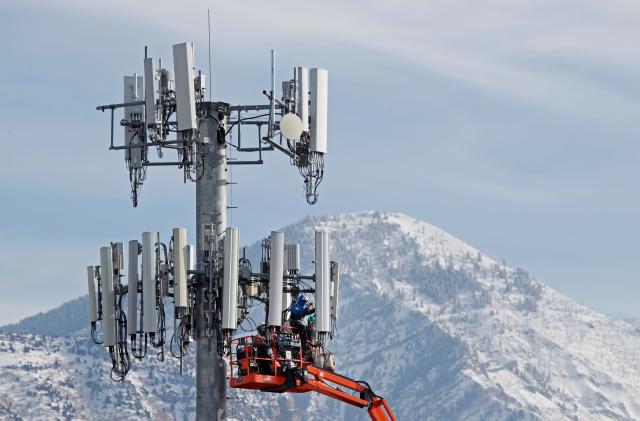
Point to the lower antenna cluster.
(234, 290)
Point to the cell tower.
(212, 286)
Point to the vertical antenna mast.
(272, 105)
(210, 78)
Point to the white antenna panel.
(230, 285)
(323, 282)
(133, 91)
(319, 80)
(302, 96)
(149, 93)
(149, 282)
(190, 253)
(91, 276)
(335, 289)
(132, 289)
(180, 267)
(108, 303)
(276, 272)
(292, 257)
(184, 86)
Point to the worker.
(301, 308)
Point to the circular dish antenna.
(291, 126)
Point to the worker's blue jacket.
(301, 307)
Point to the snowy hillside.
(69, 318)
(438, 328)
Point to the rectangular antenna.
(118, 257)
(180, 268)
(319, 79)
(302, 96)
(149, 93)
(149, 311)
(132, 288)
(292, 257)
(335, 289)
(91, 276)
(133, 91)
(230, 285)
(184, 86)
(108, 300)
(323, 282)
(276, 278)
(190, 254)
(291, 265)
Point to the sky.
(512, 124)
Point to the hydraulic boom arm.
(376, 405)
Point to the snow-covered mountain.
(440, 329)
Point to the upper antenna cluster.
(163, 110)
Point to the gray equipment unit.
(108, 299)
(208, 238)
(291, 267)
(118, 258)
(149, 310)
(180, 292)
(91, 284)
(165, 83)
(335, 289)
(132, 288)
(190, 255)
(149, 93)
(302, 96)
(133, 119)
(200, 84)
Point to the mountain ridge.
(65, 319)
(439, 328)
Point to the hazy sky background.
(514, 125)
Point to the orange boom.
(280, 365)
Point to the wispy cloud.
(505, 46)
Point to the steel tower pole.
(211, 207)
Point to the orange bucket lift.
(281, 364)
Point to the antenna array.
(166, 103)
(214, 287)
(278, 285)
